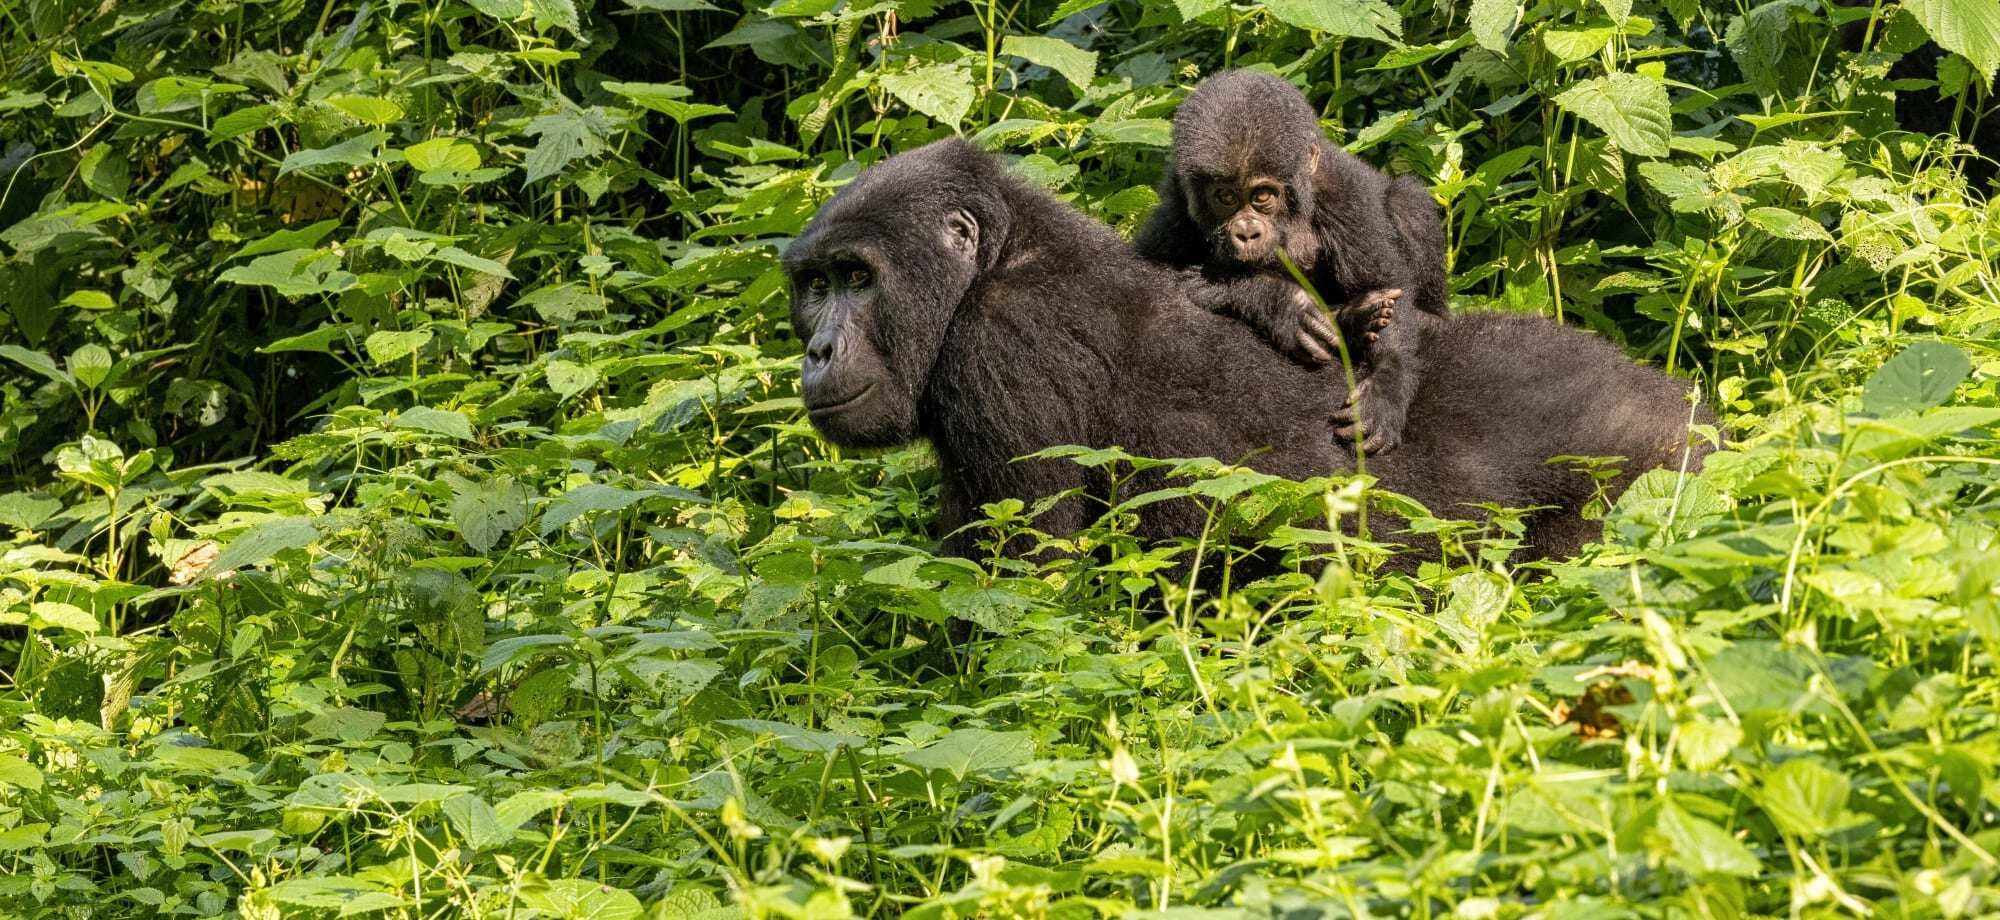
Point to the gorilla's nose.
(821, 351)
(1245, 232)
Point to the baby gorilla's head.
(1246, 148)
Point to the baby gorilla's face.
(1245, 218)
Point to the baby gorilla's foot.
(1377, 419)
(1364, 319)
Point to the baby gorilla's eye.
(816, 284)
(859, 278)
(1262, 197)
(1224, 197)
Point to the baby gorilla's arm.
(1279, 310)
(1387, 373)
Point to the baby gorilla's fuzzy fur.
(1350, 229)
(995, 321)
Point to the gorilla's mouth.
(845, 402)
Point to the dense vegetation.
(408, 510)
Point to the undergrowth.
(408, 510)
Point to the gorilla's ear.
(961, 234)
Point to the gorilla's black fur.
(1251, 172)
(941, 298)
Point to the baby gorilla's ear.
(961, 234)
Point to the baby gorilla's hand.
(1289, 317)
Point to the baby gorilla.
(1252, 175)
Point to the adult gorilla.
(941, 298)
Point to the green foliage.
(410, 511)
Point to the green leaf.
(577, 899)
(359, 150)
(263, 541)
(559, 13)
(1493, 23)
(803, 740)
(19, 773)
(562, 303)
(89, 300)
(297, 273)
(1069, 8)
(942, 91)
(346, 723)
(1356, 18)
(442, 153)
(1805, 797)
(90, 365)
(38, 362)
(584, 499)
(1631, 109)
(305, 237)
(105, 171)
(569, 378)
(459, 257)
(387, 347)
(197, 759)
(1917, 378)
(566, 137)
(1700, 847)
(27, 510)
(54, 615)
(1787, 225)
(372, 110)
(487, 511)
(476, 822)
(1967, 27)
(1075, 64)
(1572, 45)
(970, 750)
(447, 422)
(665, 98)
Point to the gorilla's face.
(875, 279)
(1249, 217)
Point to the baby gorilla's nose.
(1246, 232)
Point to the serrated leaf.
(1700, 847)
(305, 237)
(487, 511)
(1070, 8)
(1787, 225)
(1917, 378)
(261, 542)
(1075, 64)
(562, 303)
(90, 365)
(197, 759)
(1356, 18)
(803, 740)
(442, 153)
(559, 13)
(448, 422)
(359, 150)
(459, 257)
(566, 137)
(1966, 27)
(297, 273)
(371, 110)
(38, 362)
(970, 750)
(1493, 23)
(584, 499)
(476, 822)
(1630, 109)
(1571, 45)
(578, 899)
(89, 300)
(569, 378)
(942, 91)
(55, 615)
(1805, 797)
(389, 346)
(665, 98)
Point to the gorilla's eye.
(1225, 197)
(1262, 197)
(816, 284)
(859, 278)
